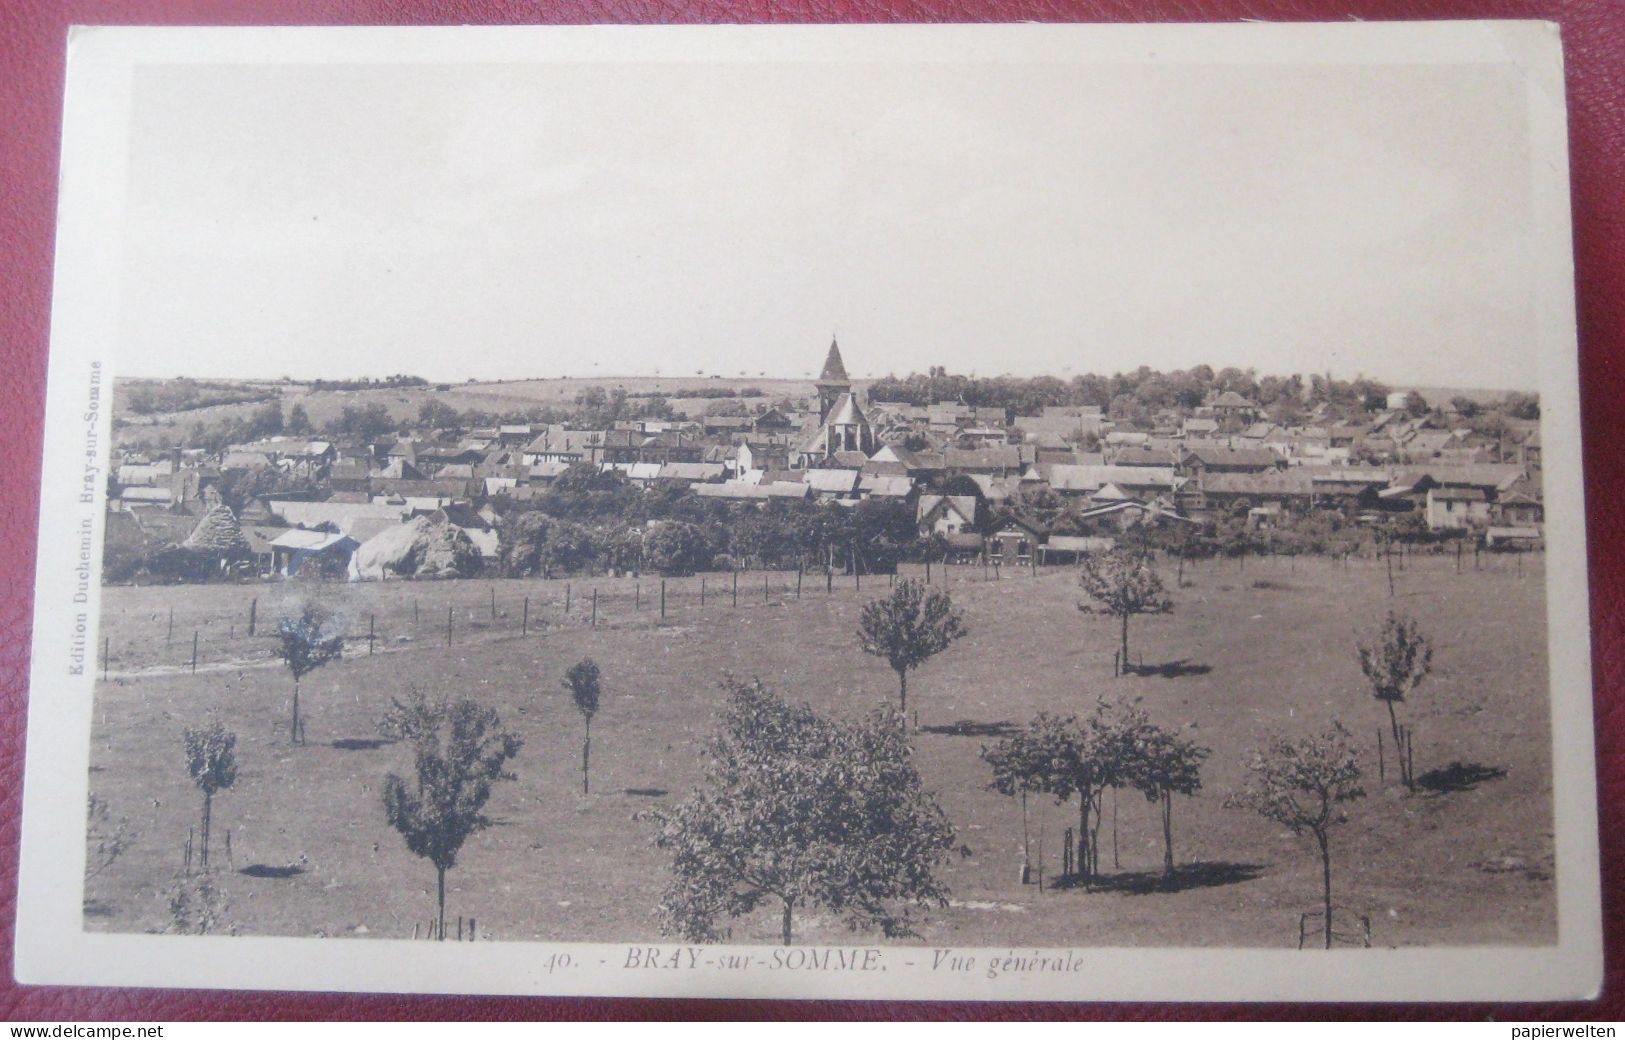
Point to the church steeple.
(832, 381)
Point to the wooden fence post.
(107, 648)
(637, 596)
(372, 627)
(829, 579)
(169, 633)
(414, 612)
(524, 618)
(764, 587)
(567, 598)
(448, 626)
(702, 590)
(595, 607)
(194, 651)
(662, 599)
(253, 609)
(736, 589)
(798, 580)
(1382, 764)
(493, 602)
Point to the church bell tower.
(832, 382)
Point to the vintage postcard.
(968, 512)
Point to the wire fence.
(201, 628)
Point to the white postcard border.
(51, 946)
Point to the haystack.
(419, 548)
(218, 534)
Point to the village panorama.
(1196, 658)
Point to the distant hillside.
(403, 403)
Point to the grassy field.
(495, 397)
(1249, 652)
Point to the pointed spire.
(834, 371)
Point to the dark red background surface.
(32, 35)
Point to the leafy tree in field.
(582, 682)
(306, 643)
(1395, 662)
(298, 422)
(211, 762)
(1122, 582)
(1160, 764)
(1299, 784)
(800, 812)
(460, 751)
(909, 627)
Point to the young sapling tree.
(908, 627)
(211, 762)
(1395, 661)
(1121, 583)
(307, 642)
(582, 682)
(1300, 784)
(460, 751)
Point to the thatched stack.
(419, 548)
(218, 534)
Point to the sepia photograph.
(869, 511)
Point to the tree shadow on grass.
(1170, 669)
(648, 792)
(1201, 874)
(971, 728)
(266, 870)
(1458, 776)
(360, 744)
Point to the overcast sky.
(499, 221)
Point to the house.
(133, 498)
(832, 483)
(1087, 480)
(1144, 455)
(557, 444)
(1016, 541)
(1216, 459)
(692, 472)
(1455, 508)
(874, 485)
(945, 514)
(1232, 406)
(774, 421)
(1235, 493)
(299, 551)
(723, 425)
(917, 465)
(1001, 461)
